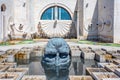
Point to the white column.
(56, 13)
(3, 26)
(52, 13)
(0, 25)
(116, 27)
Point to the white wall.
(116, 21)
(30, 15)
(21, 14)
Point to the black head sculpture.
(56, 59)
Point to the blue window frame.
(50, 14)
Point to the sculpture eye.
(50, 55)
(63, 55)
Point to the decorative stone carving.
(24, 35)
(40, 31)
(56, 28)
(12, 32)
(12, 29)
(20, 27)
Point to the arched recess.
(52, 13)
(3, 7)
(57, 27)
(52, 5)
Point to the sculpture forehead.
(57, 45)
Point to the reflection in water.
(78, 66)
(56, 73)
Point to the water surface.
(77, 67)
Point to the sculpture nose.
(57, 60)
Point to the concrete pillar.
(78, 25)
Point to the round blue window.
(55, 13)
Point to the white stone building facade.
(84, 19)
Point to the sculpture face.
(57, 53)
(56, 59)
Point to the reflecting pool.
(77, 66)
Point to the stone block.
(87, 53)
(100, 58)
(80, 78)
(102, 75)
(102, 65)
(10, 58)
(117, 71)
(111, 67)
(90, 70)
(116, 61)
(76, 53)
